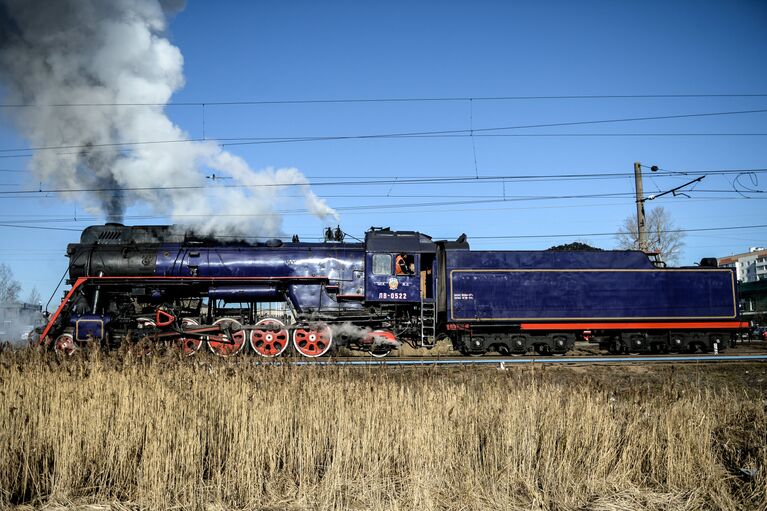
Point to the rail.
(536, 360)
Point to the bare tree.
(34, 296)
(9, 287)
(662, 235)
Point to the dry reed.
(161, 432)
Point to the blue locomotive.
(163, 284)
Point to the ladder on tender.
(428, 322)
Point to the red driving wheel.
(270, 340)
(231, 339)
(313, 341)
(189, 345)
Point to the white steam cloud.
(115, 52)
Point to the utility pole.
(641, 227)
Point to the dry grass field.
(159, 432)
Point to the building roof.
(736, 257)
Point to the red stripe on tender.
(698, 325)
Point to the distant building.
(749, 267)
(751, 270)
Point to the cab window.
(381, 264)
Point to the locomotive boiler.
(162, 284)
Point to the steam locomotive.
(167, 285)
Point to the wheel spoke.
(271, 339)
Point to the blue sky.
(274, 50)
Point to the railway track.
(584, 353)
(503, 361)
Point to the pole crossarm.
(673, 190)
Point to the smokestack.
(111, 54)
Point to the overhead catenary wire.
(701, 229)
(476, 135)
(351, 209)
(491, 237)
(238, 141)
(41, 227)
(403, 211)
(635, 134)
(378, 181)
(421, 196)
(247, 102)
(471, 135)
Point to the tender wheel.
(313, 342)
(65, 345)
(230, 341)
(270, 341)
(189, 345)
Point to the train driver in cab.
(401, 266)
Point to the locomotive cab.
(400, 266)
(401, 281)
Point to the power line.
(236, 141)
(443, 210)
(356, 208)
(40, 227)
(372, 207)
(266, 140)
(476, 131)
(386, 181)
(581, 205)
(390, 100)
(703, 229)
(498, 237)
